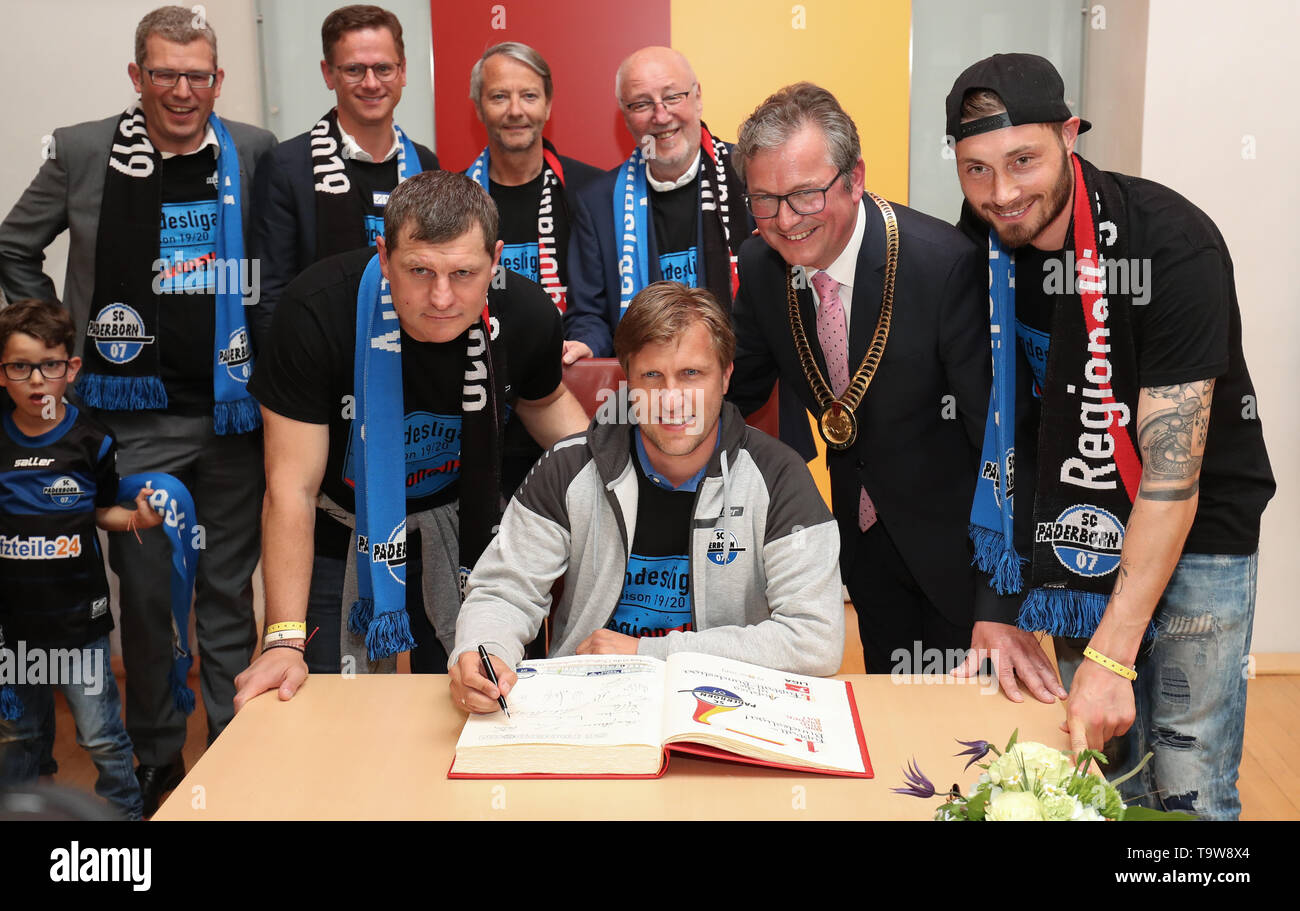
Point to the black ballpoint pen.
(492, 675)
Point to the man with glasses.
(324, 191)
(155, 201)
(671, 211)
(902, 434)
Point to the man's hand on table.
(1015, 653)
(1100, 707)
(470, 687)
(607, 642)
(282, 668)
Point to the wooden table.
(378, 747)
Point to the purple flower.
(917, 784)
(977, 750)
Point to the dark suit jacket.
(917, 450)
(284, 218)
(67, 192)
(593, 309)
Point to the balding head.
(668, 134)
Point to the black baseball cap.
(1029, 86)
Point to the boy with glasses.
(58, 480)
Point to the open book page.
(586, 700)
(760, 712)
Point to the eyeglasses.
(668, 101)
(356, 72)
(168, 78)
(801, 202)
(20, 370)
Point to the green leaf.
(1144, 814)
(1137, 768)
(1012, 741)
(975, 806)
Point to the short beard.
(1057, 199)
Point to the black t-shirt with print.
(656, 596)
(373, 181)
(186, 299)
(306, 374)
(1186, 327)
(677, 221)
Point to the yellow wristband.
(1110, 663)
(291, 624)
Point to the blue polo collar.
(690, 484)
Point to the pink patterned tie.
(834, 340)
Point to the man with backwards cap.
(1137, 538)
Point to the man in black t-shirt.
(533, 185)
(155, 202)
(1127, 415)
(324, 191)
(325, 446)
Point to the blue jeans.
(97, 711)
(1190, 694)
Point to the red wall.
(583, 41)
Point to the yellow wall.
(743, 50)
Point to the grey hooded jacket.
(765, 580)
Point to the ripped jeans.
(1190, 694)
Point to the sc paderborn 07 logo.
(392, 553)
(237, 357)
(723, 547)
(63, 492)
(1086, 539)
(118, 333)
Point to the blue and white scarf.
(121, 371)
(376, 442)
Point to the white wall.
(1221, 82)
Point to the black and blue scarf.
(1088, 468)
(121, 371)
(722, 233)
(375, 439)
(340, 211)
(551, 206)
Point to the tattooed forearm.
(1121, 576)
(1172, 441)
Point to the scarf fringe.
(998, 558)
(182, 695)
(122, 393)
(239, 416)
(1062, 612)
(11, 707)
(389, 634)
(363, 611)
